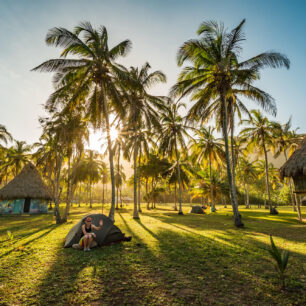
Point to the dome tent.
(108, 234)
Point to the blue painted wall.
(16, 206)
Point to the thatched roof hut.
(295, 167)
(27, 184)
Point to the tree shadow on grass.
(21, 237)
(109, 275)
(183, 269)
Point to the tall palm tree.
(215, 71)
(141, 109)
(206, 149)
(172, 139)
(260, 134)
(92, 73)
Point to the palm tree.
(105, 180)
(120, 178)
(5, 136)
(172, 139)
(92, 73)
(248, 173)
(18, 155)
(206, 149)
(171, 174)
(260, 135)
(141, 109)
(215, 71)
(286, 141)
(209, 185)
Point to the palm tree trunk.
(111, 165)
(148, 203)
(135, 212)
(121, 197)
(290, 187)
(179, 179)
(68, 192)
(58, 192)
(118, 174)
(175, 207)
(103, 198)
(247, 194)
(267, 175)
(139, 163)
(237, 216)
(212, 207)
(233, 154)
(90, 197)
(299, 209)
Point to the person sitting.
(87, 234)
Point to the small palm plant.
(281, 258)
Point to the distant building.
(26, 193)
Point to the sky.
(157, 28)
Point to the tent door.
(26, 206)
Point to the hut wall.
(17, 206)
(11, 206)
(38, 206)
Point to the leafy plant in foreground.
(281, 258)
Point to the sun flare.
(98, 140)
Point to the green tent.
(108, 234)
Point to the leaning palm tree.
(260, 135)
(215, 70)
(91, 73)
(172, 139)
(207, 149)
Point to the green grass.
(190, 259)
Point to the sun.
(113, 133)
(98, 140)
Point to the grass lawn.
(190, 259)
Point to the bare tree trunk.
(212, 207)
(237, 217)
(179, 180)
(139, 163)
(175, 207)
(290, 187)
(148, 203)
(135, 212)
(58, 192)
(103, 198)
(111, 159)
(267, 175)
(90, 197)
(120, 196)
(233, 153)
(299, 209)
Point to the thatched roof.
(27, 184)
(296, 164)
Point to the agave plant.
(281, 259)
